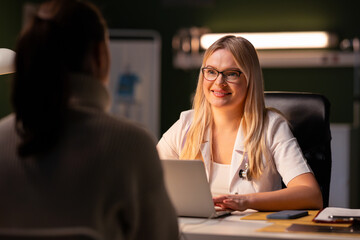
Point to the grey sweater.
(104, 174)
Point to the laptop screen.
(188, 188)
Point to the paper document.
(335, 214)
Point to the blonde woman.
(247, 149)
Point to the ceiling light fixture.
(279, 40)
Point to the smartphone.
(287, 214)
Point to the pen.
(345, 217)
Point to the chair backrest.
(308, 115)
(75, 233)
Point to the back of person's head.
(63, 38)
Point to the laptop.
(189, 190)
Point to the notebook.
(189, 190)
(336, 214)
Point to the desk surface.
(232, 227)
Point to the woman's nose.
(220, 80)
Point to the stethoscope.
(243, 173)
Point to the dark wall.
(10, 22)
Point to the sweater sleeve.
(140, 205)
(156, 215)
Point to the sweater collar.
(87, 91)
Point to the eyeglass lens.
(230, 75)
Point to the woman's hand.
(302, 192)
(233, 202)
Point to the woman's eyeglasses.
(230, 76)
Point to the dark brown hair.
(58, 41)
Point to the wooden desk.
(232, 227)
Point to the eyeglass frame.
(222, 73)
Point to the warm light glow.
(7, 58)
(278, 40)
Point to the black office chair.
(49, 234)
(308, 115)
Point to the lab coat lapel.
(237, 157)
(205, 152)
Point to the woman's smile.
(220, 93)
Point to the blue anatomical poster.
(135, 77)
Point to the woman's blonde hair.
(254, 120)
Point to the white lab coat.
(286, 153)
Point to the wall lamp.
(7, 58)
(279, 40)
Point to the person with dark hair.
(64, 161)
